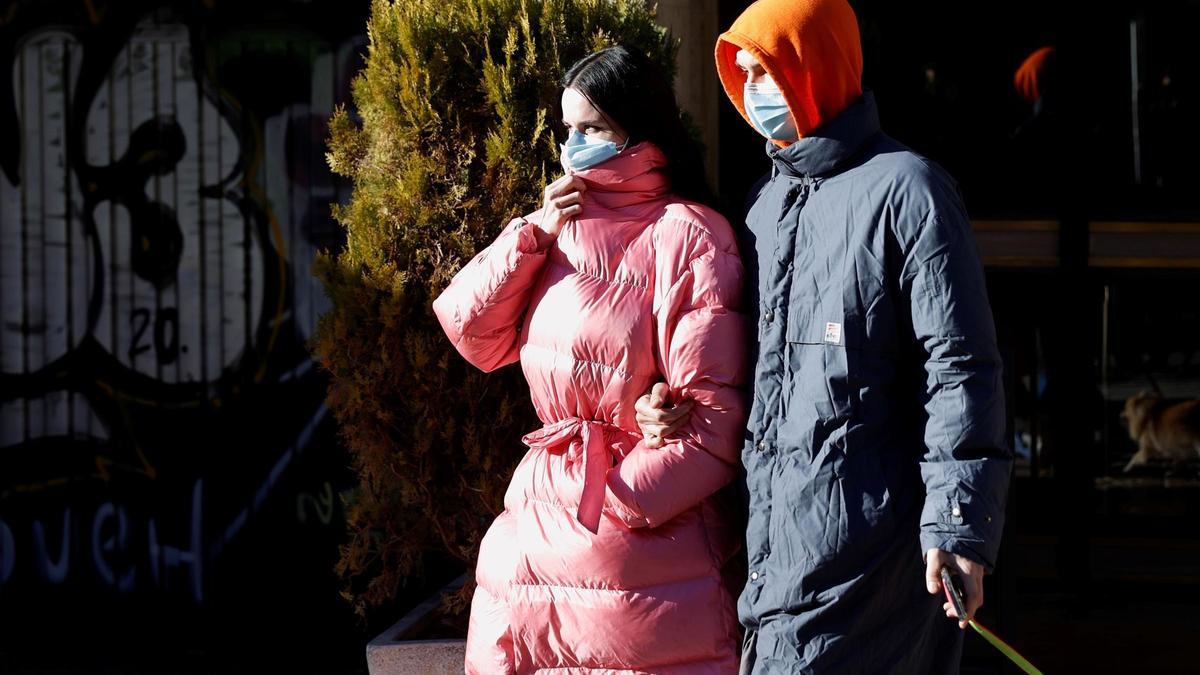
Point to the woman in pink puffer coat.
(608, 555)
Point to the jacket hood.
(831, 146)
(810, 48)
(1030, 78)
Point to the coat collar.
(631, 178)
(829, 147)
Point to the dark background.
(169, 477)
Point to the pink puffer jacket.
(607, 556)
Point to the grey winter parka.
(877, 426)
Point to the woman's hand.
(562, 201)
(657, 418)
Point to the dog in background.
(1162, 430)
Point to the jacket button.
(956, 512)
(769, 316)
(762, 446)
(754, 576)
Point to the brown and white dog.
(1162, 430)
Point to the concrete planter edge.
(393, 653)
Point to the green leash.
(994, 640)
(1005, 648)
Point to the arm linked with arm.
(701, 337)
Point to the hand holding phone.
(953, 589)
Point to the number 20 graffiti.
(157, 229)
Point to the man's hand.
(657, 418)
(968, 570)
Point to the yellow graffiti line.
(260, 195)
(121, 399)
(115, 393)
(10, 15)
(102, 464)
(30, 488)
(92, 13)
(147, 467)
(152, 155)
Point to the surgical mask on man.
(768, 112)
(581, 152)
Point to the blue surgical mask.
(768, 112)
(581, 152)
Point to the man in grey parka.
(875, 451)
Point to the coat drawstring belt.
(558, 439)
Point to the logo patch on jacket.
(833, 333)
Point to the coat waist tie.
(558, 439)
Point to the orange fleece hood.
(810, 48)
(1028, 78)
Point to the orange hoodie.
(1027, 79)
(810, 48)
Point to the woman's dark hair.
(632, 91)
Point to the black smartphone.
(953, 588)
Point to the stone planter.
(397, 652)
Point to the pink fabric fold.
(558, 438)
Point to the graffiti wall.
(163, 192)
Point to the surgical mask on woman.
(768, 112)
(581, 152)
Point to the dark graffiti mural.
(162, 196)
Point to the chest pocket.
(817, 341)
(841, 332)
(840, 359)
(817, 400)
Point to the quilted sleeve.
(701, 339)
(482, 308)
